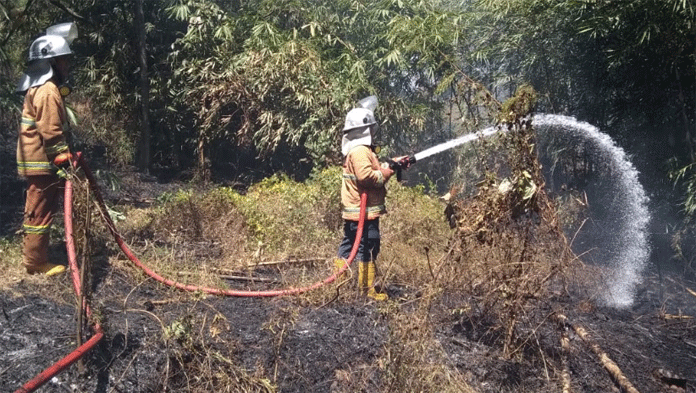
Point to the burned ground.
(156, 337)
(160, 339)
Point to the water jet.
(616, 235)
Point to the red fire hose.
(215, 291)
(64, 363)
(71, 358)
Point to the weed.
(509, 244)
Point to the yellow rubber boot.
(370, 281)
(48, 269)
(362, 277)
(338, 265)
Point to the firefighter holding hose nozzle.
(42, 149)
(362, 173)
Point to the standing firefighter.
(42, 149)
(362, 173)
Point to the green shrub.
(279, 217)
(294, 218)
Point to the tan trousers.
(43, 200)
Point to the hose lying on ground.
(78, 353)
(71, 358)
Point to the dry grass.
(505, 252)
(201, 360)
(509, 243)
(414, 360)
(11, 262)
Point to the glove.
(63, 160)
(404, 162)
(386, 173)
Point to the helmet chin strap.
(64, 86)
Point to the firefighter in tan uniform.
(362, 172)
(42, 149)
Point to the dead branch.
(273, 263)
(691, 291)
(235, 277)
(252, 279)
(69, 10)
(565, 374)
(612, 368)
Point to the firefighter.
(42, 149)
(362, 172)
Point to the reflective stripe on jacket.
(41, 133)
(361, 173)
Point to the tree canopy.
(269, 82)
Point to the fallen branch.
(673, 316)
(245, 278)
(233, 277)
(271, 263)
(284, 261)
(609, 365)
(691, 291)
(565, 374)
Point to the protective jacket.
(42, 132)
(361, 173)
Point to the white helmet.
(55, 43)
(48, 46)
(359, 117)
(357, 130)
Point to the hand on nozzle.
(404, 162)
(63, 160)
(386, 172)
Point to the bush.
(292, 218)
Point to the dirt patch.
(159, 339)
(299, 348)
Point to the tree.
(278, 76)
(144, 149)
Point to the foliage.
(258, 87)
(684, 177)
(602, 61)
(414, 222)
(105, 70)
(512, 245)
(292, 218)
(279, 218)
(283, 74)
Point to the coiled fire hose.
(71, 358)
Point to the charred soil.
(156, 338)
(449, 330)
(159, 339)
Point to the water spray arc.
(454, 143)
(629, 205)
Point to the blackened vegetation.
(482, 320)
(508, 241)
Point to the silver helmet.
(48, 46)
(358, 126)
(363, 115)
(359, 117)
(55, 43)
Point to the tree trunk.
(144, 147)
(203, 161)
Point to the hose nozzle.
(399, 164)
